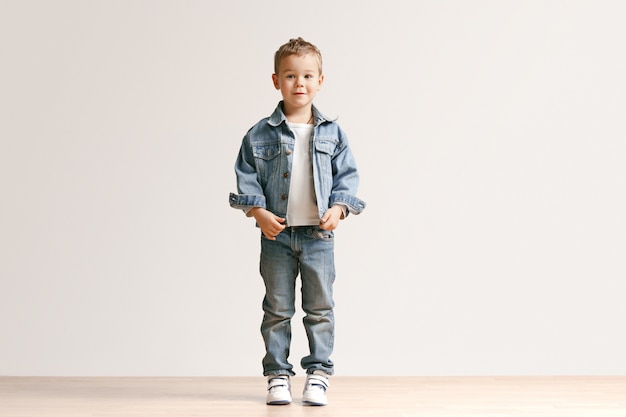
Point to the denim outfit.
(263, 169)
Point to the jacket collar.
(279, 117)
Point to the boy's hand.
(270, 224)
(331, 218)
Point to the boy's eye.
(308, 76)
(290, 76)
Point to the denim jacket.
(263, 166)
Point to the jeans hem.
(327, 371)
(279, 372)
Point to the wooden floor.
(348, 396)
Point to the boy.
(297, 177)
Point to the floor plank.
(559, 396)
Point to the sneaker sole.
(284, 402)
(313, 404)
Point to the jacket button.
(288, 151)
(283, 197)
(286, 175)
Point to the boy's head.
(298, 47)
(298, 76)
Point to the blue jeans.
(308, 251)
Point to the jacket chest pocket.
(266, 158)
(324, 150)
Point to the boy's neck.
(304, 115)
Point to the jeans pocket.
(322, 235)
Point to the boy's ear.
(275, 81)
(320, 82)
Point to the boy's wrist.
(253, 211)
(343, 208)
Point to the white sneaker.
(278, 390)
(315, 389)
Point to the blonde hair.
(297, 46)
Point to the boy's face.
(298, 80)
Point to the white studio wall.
(491, 142)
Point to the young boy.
(297, 177)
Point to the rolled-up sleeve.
(345, 180)
(249, 191)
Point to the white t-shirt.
(302, 205)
